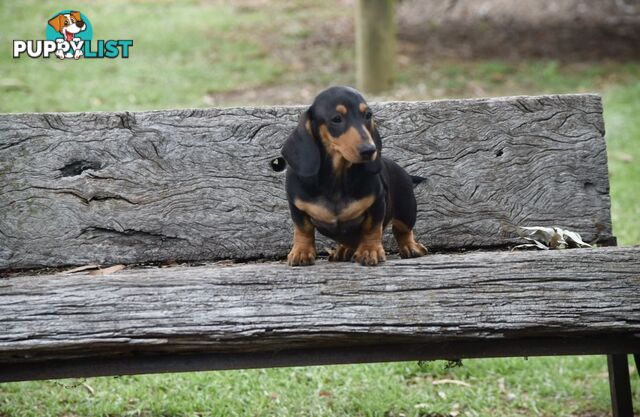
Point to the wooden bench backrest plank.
(81, 188)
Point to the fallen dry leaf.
(169, 264)
(574, 239)
(451, 381)
(89, 388)
(550, 237)
(81, 268)
(107, 271)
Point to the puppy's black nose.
(367, 151)
(79, 23)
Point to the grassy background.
(202, 53)
(565, 386)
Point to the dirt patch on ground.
(318, 51)
(286, 94)
(560, 29)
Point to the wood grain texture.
(269, 307)
(79, 188)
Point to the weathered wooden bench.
(200, 185)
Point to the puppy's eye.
(336, 119)
(368, 115)
(66, 22)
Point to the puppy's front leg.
(370, 250)
(303, 251)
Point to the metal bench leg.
(620, 385)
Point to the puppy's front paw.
(341, 254)
(369, 254)
(302, 255)
(412, 249)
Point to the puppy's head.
(341, 122)
(68, 24)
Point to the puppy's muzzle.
(366, 151)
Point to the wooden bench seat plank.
(264, 308)
(79, 188)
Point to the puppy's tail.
(415, 179)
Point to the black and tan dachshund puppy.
(339, 183)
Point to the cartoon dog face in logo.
(68, 25)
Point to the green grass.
(445, 79)
(187, 52)
(621, 109)
(180, 53)
(499, 387)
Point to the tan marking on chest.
(356, 208)
(316, 211)
(319, 212)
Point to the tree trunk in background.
(375, 44)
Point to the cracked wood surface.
(80, 188)
(269, 307)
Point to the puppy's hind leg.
(341, 253)
(404, 211)
(407, 245)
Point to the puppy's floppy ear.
(57, 22)
(375, 166)
(76, 15)
(300, 150)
